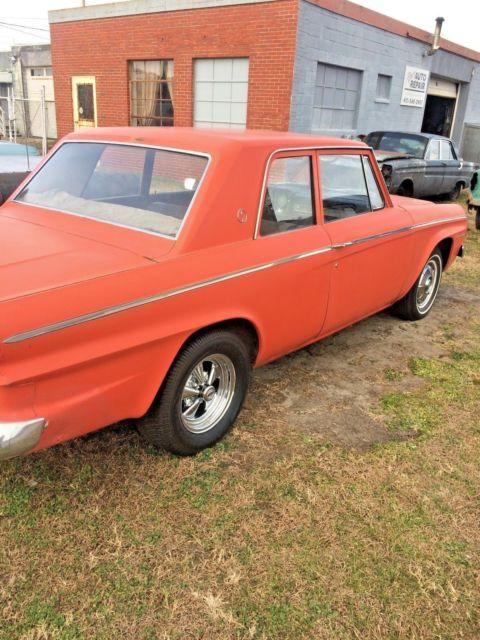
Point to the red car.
(146, 271)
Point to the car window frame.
(366, 158)
(315, 150)
(454, 151)
(449, 145)
(289, 153)
(364, 154)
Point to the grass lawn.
(276, 533)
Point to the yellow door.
(84, 102)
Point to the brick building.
(321, 66)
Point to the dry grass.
(272, 534)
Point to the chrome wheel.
(208, 393)
(428, 284)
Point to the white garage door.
(443, 88)
(221, 93)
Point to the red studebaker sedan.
(146, 271)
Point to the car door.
(289, 237)
(372, 240)
(434, 171)
(451, 166)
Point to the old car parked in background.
(16, 162)
(420, 164)
(145, 271)
(474, 198)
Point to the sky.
(28, 23)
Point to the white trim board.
(137, 7)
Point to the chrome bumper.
(17, 438)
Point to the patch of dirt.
(331, 389)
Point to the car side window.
(446, 150)
(433, 151)
(344, 188)
(288, 201)
(376, 198)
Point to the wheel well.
(245, 328)
(407, 186)
(445, 247)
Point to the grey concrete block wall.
(333, 39)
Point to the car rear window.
(131, 186)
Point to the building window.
(151, 96)
(221, 92)
(41, 72)
(337, 94)
(384, 86)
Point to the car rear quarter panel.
(408, 169)
(109, 369)
(434, 224)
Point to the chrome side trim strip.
(431, 223)
(108, 311)
(376, 236)
(394, 232)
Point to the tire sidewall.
(438, 258)
(233, 348)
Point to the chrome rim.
(208, 393)
(428, 284)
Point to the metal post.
(12, 125)
(43, 114)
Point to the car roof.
(421, 134)
(208, 141)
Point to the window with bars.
(151, 95)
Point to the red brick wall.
(265, 33)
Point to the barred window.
(151, 94)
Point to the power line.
(22, 26)
(27, 33)
(38, 19)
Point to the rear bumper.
(17, 438)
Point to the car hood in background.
(383, 156)
(35, 258)
(18, 163)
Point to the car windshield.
(398, 142)
(131, 186)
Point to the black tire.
(405, 189)
(455, 192)
(410, 306)
(165, 424)
(477, 218)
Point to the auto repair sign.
(415, 86)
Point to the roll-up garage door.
(442, 88)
